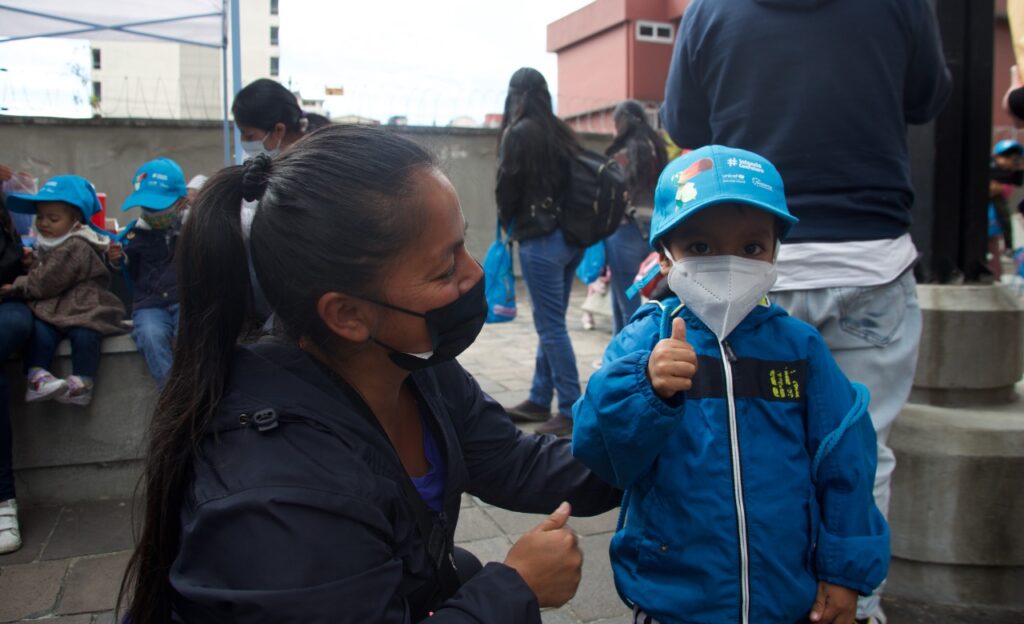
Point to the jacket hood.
(795, 5)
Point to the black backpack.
(594, 201)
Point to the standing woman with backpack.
(534, 160)
(641, 152)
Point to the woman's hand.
(6, 289)
(834, 604)
(673, 363)
(549, 559)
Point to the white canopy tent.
(202, 23)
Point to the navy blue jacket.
(822, 88)
(297, 524)
(748, 489)
(150, 264)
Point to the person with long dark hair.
(535, 156)
(15, 329)
(641, 151)
(269, 118)
(317, 476)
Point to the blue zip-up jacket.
(149, 256)
(824, 89)
(746, 490)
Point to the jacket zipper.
(728, 356)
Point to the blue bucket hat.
(72, 189)
(713, 175)
(1007, 146)
(157, 185)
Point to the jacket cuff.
(670, 408)
(860, 563)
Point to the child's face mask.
(159, 219)
(720, 290)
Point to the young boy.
(148, 254)
(747, 457)
(66, 289)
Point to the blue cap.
(1006, 146)
(157, 185)
(713, 175)
(71, 189)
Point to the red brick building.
(609, 51)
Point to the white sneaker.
(42, 386)
(10, 535)
(79, 391)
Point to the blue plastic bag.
(499, 281)
(592, 265)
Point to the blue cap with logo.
(713, 175)
(71, 189)
(156, 185)
(1007, 146)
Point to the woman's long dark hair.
(645, 149)
(529, 99)
(265, 103)
(334, 212)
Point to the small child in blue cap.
(66, 288)
(148, 257)
(747, 457)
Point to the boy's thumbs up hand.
(673, 363)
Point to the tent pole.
(236, 71)
(224, 81)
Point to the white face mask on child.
(720, 290)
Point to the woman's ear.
(344, 316)
(279, 132)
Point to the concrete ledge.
(66, 453)
(988, 587)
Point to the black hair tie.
(255, 175)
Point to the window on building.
(97, 90)
(657, 32)
(275, 69)
(274, 34)
(273, 7)
(95, 58)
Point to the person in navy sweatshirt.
(825, 89)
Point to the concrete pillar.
(957, 510)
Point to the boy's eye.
(753, 249)
(699, 248)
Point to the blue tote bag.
(500, 282)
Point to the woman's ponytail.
(215, 299)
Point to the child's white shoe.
(43, 386)
(10, 534)
(79, 391)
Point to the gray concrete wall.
(108, 151)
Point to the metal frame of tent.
(229, 18)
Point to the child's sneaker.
(10, 536)
(79, 391)
(42, 386)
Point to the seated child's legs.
(85, 361)
(153, 331)
(39, 352)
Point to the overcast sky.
(430, 60)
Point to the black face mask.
(452, 329)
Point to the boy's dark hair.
(334, 212)
(265, 103)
